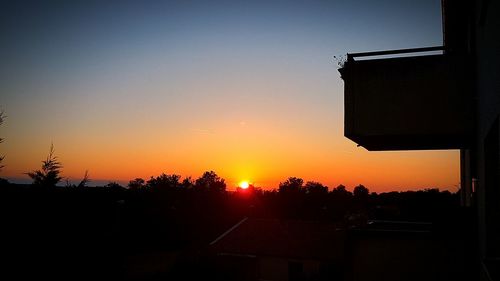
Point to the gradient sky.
(248, 89)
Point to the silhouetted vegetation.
(210, 182)
(361, 192)
(83, 183)
(2, 117)
(315, 188)
(181, 216)
(291, 185)
(136, 184)
(49, 175)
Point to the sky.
(248, 89)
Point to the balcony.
(407, 102)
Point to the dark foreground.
(162, 234)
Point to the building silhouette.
(444, 97)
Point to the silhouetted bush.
(49, 175)
(136, 184)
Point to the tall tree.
(361, 191)
(210, 181)
(49, 175)
(313, 187)
(341, 191)
(292, 184)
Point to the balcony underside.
(408, 103)
(408, 142)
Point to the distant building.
(272, 249)
(444, 97)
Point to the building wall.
(487, 47)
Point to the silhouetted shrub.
(136, 184)
(48, 176)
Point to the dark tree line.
(168, 213)
(294, 198)
(206, 197)
(208, 182)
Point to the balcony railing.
(350, 57)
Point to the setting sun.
(244, 184)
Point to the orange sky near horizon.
(242, 151)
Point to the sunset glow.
(248, 90)
(244, 184)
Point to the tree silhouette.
(292, 184)
(361, 191)
(187, 183)
(48, 176)
(340, 201)
(340, 188)
(114, 186)
(341, 191)
(164, 182)
(210, 181)
(137, 183)
(2, 117)
(314, 188)
(85, 180)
